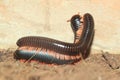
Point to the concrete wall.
(48, 18)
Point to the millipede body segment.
(57, 52)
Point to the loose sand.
(102, 66)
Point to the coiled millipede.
(52, 51)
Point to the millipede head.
(75, 22)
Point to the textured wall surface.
(48, 18)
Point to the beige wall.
(48, 18)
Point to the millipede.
(51, 51)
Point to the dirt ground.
(103, 66)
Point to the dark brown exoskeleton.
(57, 52)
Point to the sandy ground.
(102, 66)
